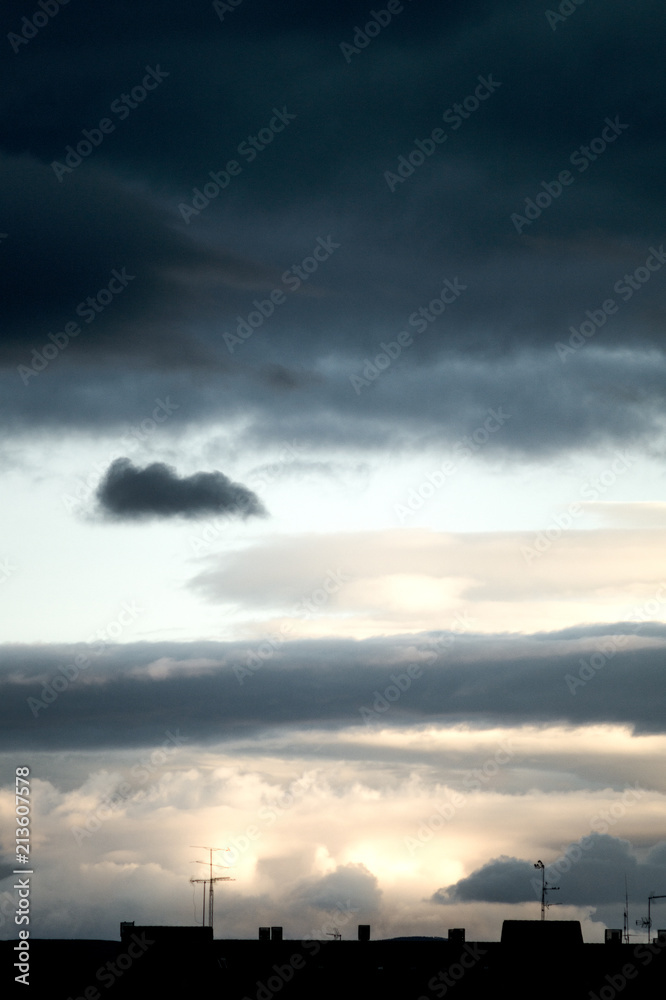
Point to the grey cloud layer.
(126, 696)
(324, 176)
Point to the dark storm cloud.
(129, 694)
(324, 176)
(128, 493)
(107, 261)
(594, 400)
(589, 872)
(504, 880)
(260, 17)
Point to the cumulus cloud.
(129, 493)
(350, 887)
(503, 880)
(589, 872)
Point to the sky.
(332, 390)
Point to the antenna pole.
(210, 891)
(647, 923)
(546, 887)
(209, 881)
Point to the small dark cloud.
(130, 493)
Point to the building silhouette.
(539, 960)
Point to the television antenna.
(647, 921)
(546, 887)
(210, 880)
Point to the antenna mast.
(210, 880)
(546, 887)
(625, 927)
(647, 922)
